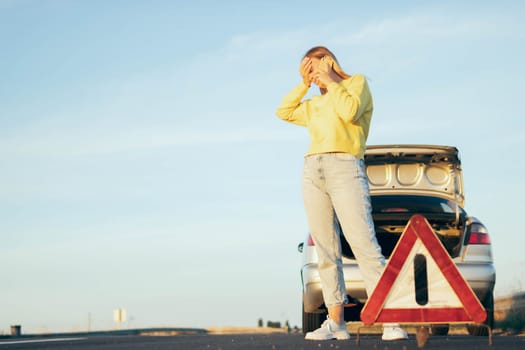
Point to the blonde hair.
(320, 52)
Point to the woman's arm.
(292, 109)
(350, 99)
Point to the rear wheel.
(488, 304)
(312, 321)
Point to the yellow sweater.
(337, 121)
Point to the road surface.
(255, 342)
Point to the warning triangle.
(421, 283)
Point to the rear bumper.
(312, 291)
(481, 277)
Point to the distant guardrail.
(138, 331)
(509, 312)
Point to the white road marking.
(38, 340)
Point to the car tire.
(441, 329)
(312, 321)
(488, 304)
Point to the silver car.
(405, 180)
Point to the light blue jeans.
(335, 184)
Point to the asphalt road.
(256, 342)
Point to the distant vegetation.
(272, 324)
(509, 313)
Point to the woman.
(334, 180)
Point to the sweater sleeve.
(292, 109)
(350, 100)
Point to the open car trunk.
(415, 179)
(391, 214)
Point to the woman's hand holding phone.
(325, 73)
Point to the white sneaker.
(392, 331)
(329, 330)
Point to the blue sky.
(142, 165)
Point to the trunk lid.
(426, 170)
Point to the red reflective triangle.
(418, 228)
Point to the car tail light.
(478, 235)
(310, 241)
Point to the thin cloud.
(84, 142)
(427, 28)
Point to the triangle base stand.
(422, 332)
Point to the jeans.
(335, 187)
